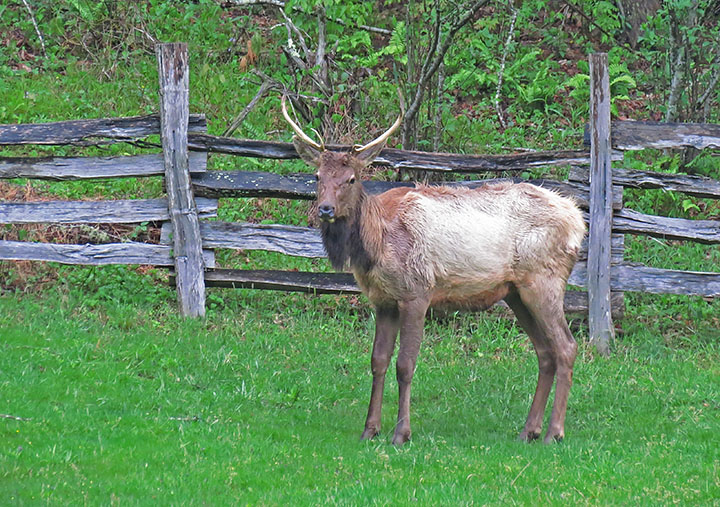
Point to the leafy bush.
(110, 285)
(621, 83)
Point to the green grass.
(263, 403)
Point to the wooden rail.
(84, 168)
(629, 277)
(125, 211)
(299, 241)
(639, 135)
(398, 159)
(216, 184)
(90, 132)
(697, 186)
(339, 283)
(92, 254)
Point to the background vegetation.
(108, 397)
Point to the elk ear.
(367, 155)
(310, 154)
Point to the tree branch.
(320, 56)
(436, 57)
(264, 87)
(249, 3)
(703, 100)
(318, 76)
(501, 72)
(37, 29)
(437, 137)
(292, 28)
(671, 111)
(587, 18)
(279, 3)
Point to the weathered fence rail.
(697, 186)
(95, 212)
(216, 184)
(296, 241)
(94, 254)
(398, 159)
(90, 132)
(83, 168)
(187, 240)
(629, 135)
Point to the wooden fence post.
(173, 70)
(599, 245)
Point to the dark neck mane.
(343, 240)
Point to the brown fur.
(410, 248)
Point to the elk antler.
(383, 138)
(359, 149)
(302, 135)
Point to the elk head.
(338, 173)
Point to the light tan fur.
(456, 242)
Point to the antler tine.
(298, 131)
(383, 138)
(322, 141)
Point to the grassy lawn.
(263, 402)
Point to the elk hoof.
(551, 439)
(369, 433)
(528, 436)
(400, 438)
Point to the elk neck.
(349, 240)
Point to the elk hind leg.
(546, 367)
(545, 303)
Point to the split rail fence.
(188, 239)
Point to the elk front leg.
(412, 320)
(387, 323)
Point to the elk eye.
(351, 180)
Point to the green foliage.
(88, 11)
(606, 16)
(541, 86)
(621, 84)
(116, 285)
(687, 29)
(395, 48)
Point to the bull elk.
(458, 248)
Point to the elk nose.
(326, 212)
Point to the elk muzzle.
(326, 213)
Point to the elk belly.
(461, 295)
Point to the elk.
(451, 247)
